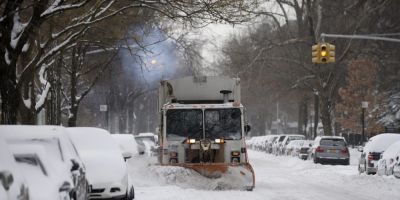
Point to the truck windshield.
(184, 123)
(223, 123)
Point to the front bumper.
(333, 159)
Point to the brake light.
(345, 151)
(235, 153)
(319, 149)
(370, 156)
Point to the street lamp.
(364, 105)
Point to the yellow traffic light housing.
(315, 53)
(323, 53)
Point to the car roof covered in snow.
(392, 151)
(381, 142)
(100, 153)
(126, 143)
(53, 138)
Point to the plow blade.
(227, 176)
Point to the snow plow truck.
(202, 128)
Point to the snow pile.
(187, 178)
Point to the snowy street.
(276, 178)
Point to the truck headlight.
(191, 141)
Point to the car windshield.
(223, 123)
(332, 142)
(184, 123)
(140, 139)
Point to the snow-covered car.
(389, 159)
(332, 149)
(289, 138)
(294, 146)
(12, 184)
(60, 150)
(276, 146)
(43, 180)
(257, 142)
(268, 143)
(106, 169)
(371, 153)
(396, 168)
(279, 146)
(126, 143)
(305, 148)
(146, 143)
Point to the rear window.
(281, 138)
(332, 142)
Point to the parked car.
(305, 149)
(146, 143)
(389, 159)
(13, 186)
(280, 144)
(330, 149)
(60, 150)
(269, 141)
(371, 153)
(37, 167)
(396, 168)
(294, 147)
(126, 143)
(106, 169)
(277, 145)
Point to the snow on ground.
(283, 178)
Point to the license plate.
(332, 151)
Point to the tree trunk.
(316, 115)
(73, 116)
(326, 118)
(73, 111)
(10, 97)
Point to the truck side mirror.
(6, 179)
(247, 128)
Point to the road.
(283, 178)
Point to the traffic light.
(315, 53)
(323, 53)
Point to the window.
(333, 142)
(223, 123)
(184, 123)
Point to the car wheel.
(315, 160)
(347, 162)
(131, 194)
